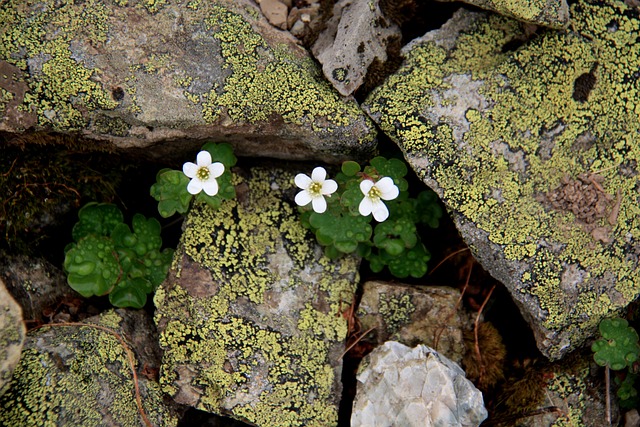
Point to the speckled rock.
(546, 13)
(573, 388)
(533, 145)
(35, 283)
(404, 386)
(414, 315)
(356, 35)
(12, 333)
(250, 315)
(81, 376)
(151, 73)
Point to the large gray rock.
(250, 316)
(547, 13)
(148, 74)
(357, 35)
(81, 375)
(404, 386)
(533, 146)
(12, 334)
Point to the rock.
(35, 283)
(170, 75)
(414, 315)
(546, 13)
(250, 316)
(275, 12)
(357, 35)
(506, 129)
(12, 333)
(569, 392)
(73, 375)
(403, 386)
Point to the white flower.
(314, 189)
(384, 189)
(203, 175)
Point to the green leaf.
(170, 190)
(92, 266)
(618, 347)
(428, 208)
(96, 218)
(350, 168)
(222, 153)
(130, 293)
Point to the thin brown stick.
(607, 384)
(447, 257)
(356, 341)
(127, 350)
(475, 333)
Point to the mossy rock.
(250, 316)
(138, 73)
(532, 142)
(546, 13)
(12, 335)
(75, 375)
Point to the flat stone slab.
(80, 375)
(137, 74)
(251, 315)
(532, 142)
(546, 13)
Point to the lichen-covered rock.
(141, 73)
(356, 35)
(250, 315)
(404, 386)
(35, 283)
(76, 375)
(547, 13)
(12, 333)
(413, 315)
(533, 144)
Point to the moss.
(271, 368)
(58, 83)
(74, 360)
(521, 135)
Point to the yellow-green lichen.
(524, 133)
(248, 357)
(84, 362)
(60, 86)
(265, 80)
(395, 310)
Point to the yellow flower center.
(374, 194)
(203, 173)
(315, 189)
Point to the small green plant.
(108, 257)
(207, 180)
(342, 221)
(619, 349)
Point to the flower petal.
(303, 198)
(210, 187)
(365, 186)
(303, 181)
(190, 169)
(204, 158)
(319, 204)
(388, 190)
(365, 207)
(329, 187)
(194, 186)
(216, 169)
(319, 174)
(380, 211)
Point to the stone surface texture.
(404, 386)
(532, 143)
(143, 74)
(356, 35)
(35, 283)
(12, 335)
(546, 13)
(412, 315)
(250, 316)
(81, 376)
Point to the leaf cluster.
(170, 189)
(619, 349)
(394, 243)
(109, 257)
